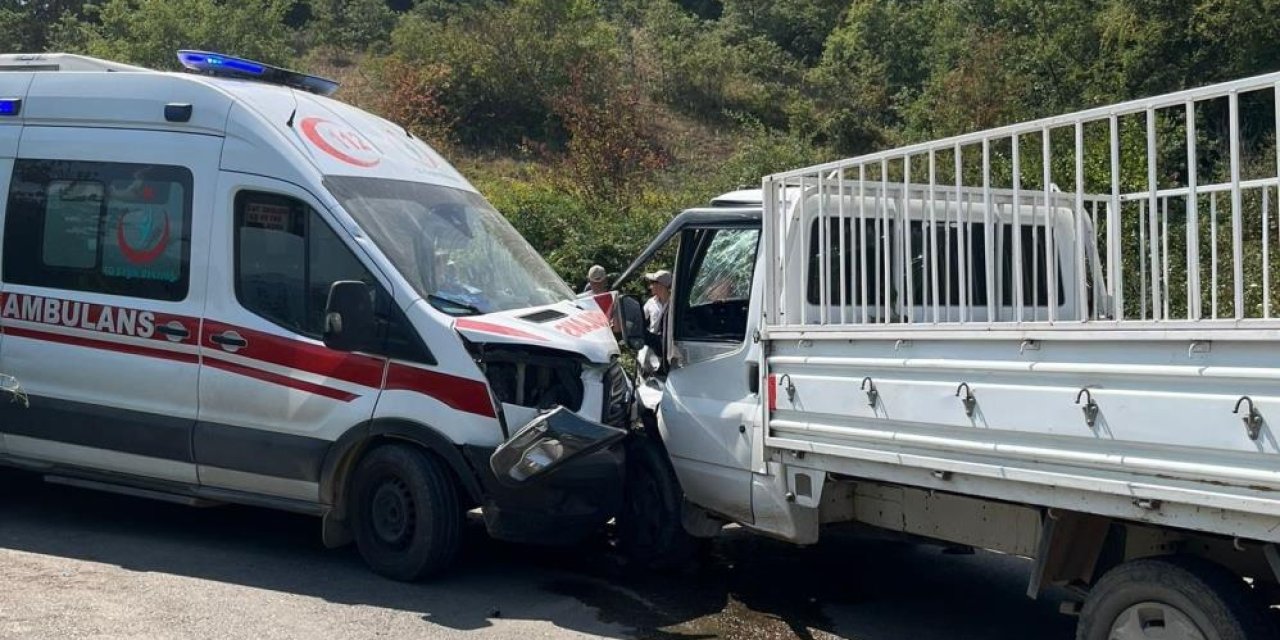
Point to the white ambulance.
(223, 286)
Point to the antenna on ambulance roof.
(224, 66)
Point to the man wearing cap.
(596, 281)
(656, 307)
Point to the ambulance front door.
(105, 253)
(273, 397)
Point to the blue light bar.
(10, 106)
(218, 64)
(224, 66)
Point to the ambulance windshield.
(451, 245)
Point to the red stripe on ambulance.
(496, 329)
(119, 347)
(463, 394)
(109, 324)
(284, 381)
(365, 371)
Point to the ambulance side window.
(104, 227)
(287, 257)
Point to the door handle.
(229, 340)
(173, 330)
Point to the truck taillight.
(773, 392)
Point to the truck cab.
(704, 401)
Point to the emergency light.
(213, 62)
(10, 106)
(224, 66)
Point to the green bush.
(508, 61)
(351, 25)
(150, 32)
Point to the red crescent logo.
(142, 256)
(328, 136)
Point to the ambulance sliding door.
(104, 261)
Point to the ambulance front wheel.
(407, 520)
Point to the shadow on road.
(747, 586)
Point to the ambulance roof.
(265, 124)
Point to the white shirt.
(653, 309)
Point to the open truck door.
(704, 400)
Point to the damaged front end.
(533, 377)
(550, 440)
(559, 476)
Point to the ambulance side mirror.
(631, 314)
(348, 316)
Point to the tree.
(508, 61)
(872, 67)
(150, 32)
(351, 25)
(609, 155)
(799, 27)
(24, 26)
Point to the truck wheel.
(1175, 598)
(408, 523)
(650, 532)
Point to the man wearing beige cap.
(597, 280)
(655, 308)
(655, 311)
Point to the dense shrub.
(149, 32)
(508, 61)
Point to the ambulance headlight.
(549, 441)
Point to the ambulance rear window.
(103, 227)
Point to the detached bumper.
(562, 507)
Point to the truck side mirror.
(348, 316)
(631, 320)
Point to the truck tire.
(650, 531)
(1174, 598)
(408, 523)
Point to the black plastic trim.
(163, 486)
(177, 112)
(90, 425)
(266, 453)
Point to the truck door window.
(103, 227)
(287, 257)
(713, 306)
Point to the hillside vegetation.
(589, 122)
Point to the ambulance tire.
(650, 532)
(408, 523)
(1173, 597)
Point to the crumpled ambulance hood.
(580, 326)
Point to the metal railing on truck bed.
(1154, 213)
(1075, 312)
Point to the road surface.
(81, 564)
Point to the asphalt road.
(81, 564)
